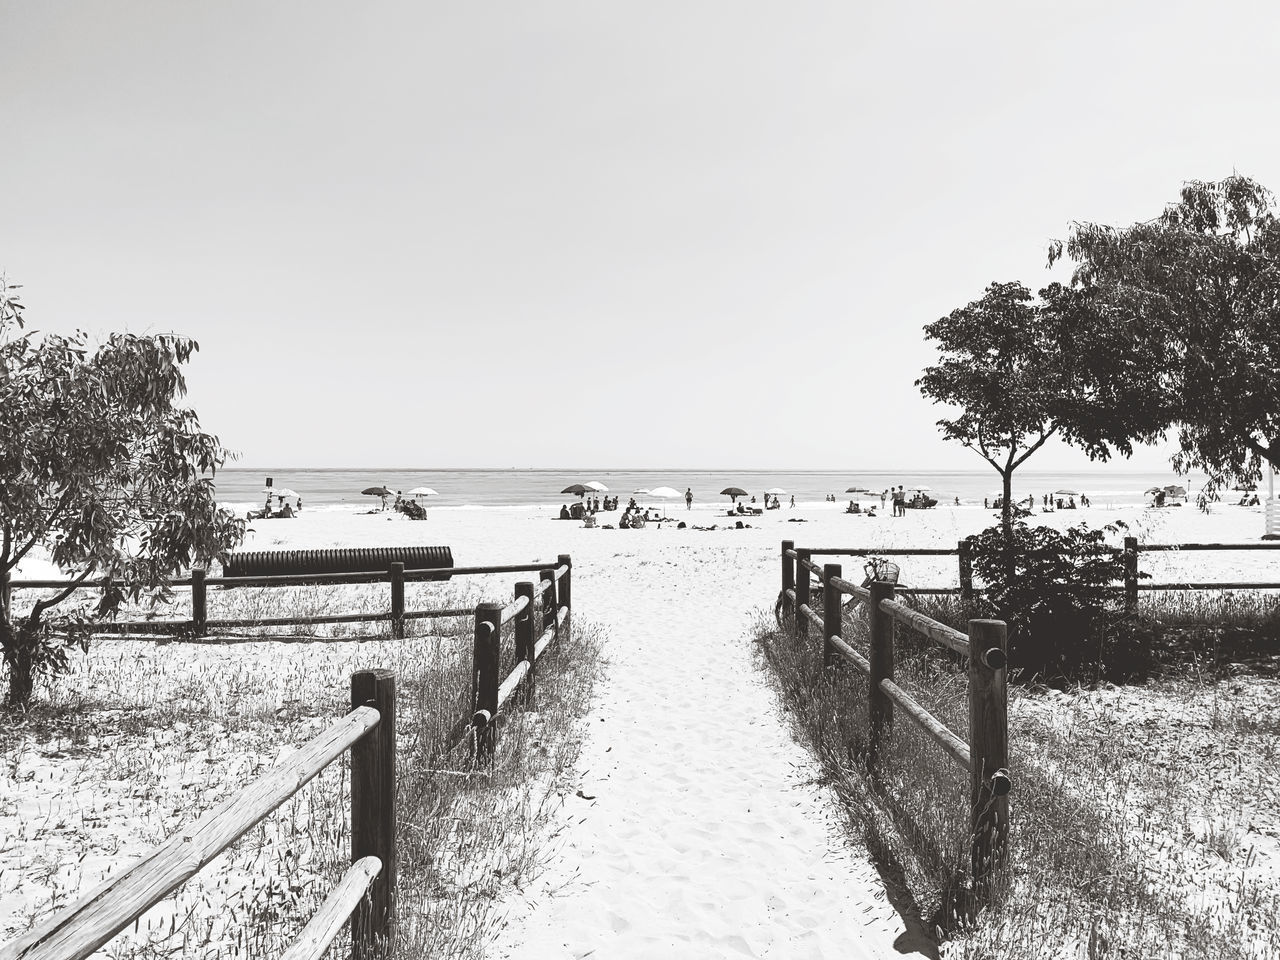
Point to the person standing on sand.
(793, 500)
(688, 498)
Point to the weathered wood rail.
(1131, 550)
(986, 753)
(200, 626)
(368, 731)
(366, 892)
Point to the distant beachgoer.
(884, 495)
(986, 505)
(753, 497)
(793, 500)
(564, 511)
(299, 504)
(688, 498)
(285, 511)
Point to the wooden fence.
(985, 755)
(366, 893)
(200, 625)
(1130, 551)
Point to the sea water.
(339, 489)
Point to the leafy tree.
(1021, 371)
(1200, 285)
(100, 469)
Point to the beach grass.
(1143, 817)
(142, 737)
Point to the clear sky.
(536, 234)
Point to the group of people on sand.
(588, 507)
(898, 495)
(856, 507)
(284, 511)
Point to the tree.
(101, 470)
(1023, 371)
(1201, 285)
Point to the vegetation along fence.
(1130, 551)
(200, 625)
(366, 892)
(985, 756)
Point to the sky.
(612, 234)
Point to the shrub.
(1055, 589)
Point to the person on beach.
(688, 498)
(564, 511)
(793, 500)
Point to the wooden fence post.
(550, 603)
(880, 707)
(373, 811)
(566, 593)
(788, 578)
(396, 575)
(484, 689)
(965, 550)
(1131, 574)
(989, 753)
(801, 625)
(199, 606)
(525, 641)
(831, 610)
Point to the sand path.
(701, 832)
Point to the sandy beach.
(698, 827)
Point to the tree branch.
(43, 528)
(1037, 445)
(42, 605)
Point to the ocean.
(339, 489)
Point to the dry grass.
(142, 737)
(1144, 819)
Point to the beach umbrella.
(1247, 488)
(734, 492)
(857, 490)
(1173, 490)
(919, 489)
(283, 493)
(382, 492)
(1152, 491)
(423, 492)
(776, 492)
(577, 489)
(643, 490)
(596, 485)
(665, 493)
(1065, 493)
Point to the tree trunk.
(19, 645)
(1006, 523)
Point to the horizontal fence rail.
(368, 731)
(985, 755)
(366, 892)
(201, 625)
(1130, 586)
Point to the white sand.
(700, 831)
